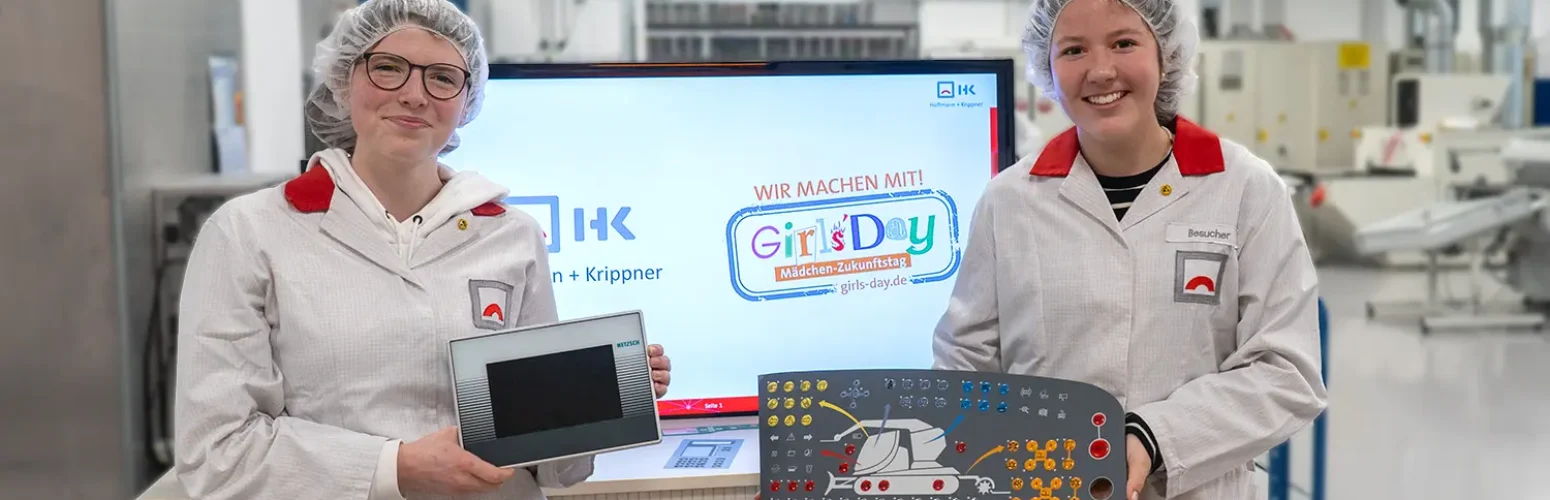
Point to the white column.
(1242, 16)
(1272, 13)
(1375, 22)
(1520, 15)
(1191, 9)
(272, 85)
(1467, 22)
(642, 43)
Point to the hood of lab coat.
(461, 192)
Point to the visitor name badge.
(1220, 234)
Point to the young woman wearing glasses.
(315, 315)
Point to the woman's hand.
(661, 369)
(436, 464)
(1139, 464)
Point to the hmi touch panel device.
(555, 391)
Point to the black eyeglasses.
(390, 72)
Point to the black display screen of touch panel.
(554, 391)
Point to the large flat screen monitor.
(767, 217)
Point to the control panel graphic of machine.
(704, 454)
(931, 434)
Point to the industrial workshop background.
(117, 117)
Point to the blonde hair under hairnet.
(1177, 41)
(328, 108)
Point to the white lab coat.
(314, 333)
(1199, 311)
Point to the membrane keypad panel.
(927, 434)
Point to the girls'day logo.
(812, 247)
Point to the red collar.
(1197, 150)
(313, 192)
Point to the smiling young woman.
(1142, 254)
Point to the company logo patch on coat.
(1197, 277)
(491, 303)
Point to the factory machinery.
(1445, 138)
(736, 30)
(1370, 132)
(1360, 133)
(1509, 220)
(1367, 136)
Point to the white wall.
(1541, 22)
(948, 23)
(593, 30)
(944, 22)
(272, 87)
(1541, 29)
(1326, 19)
(1342, 19)
(1542, 36)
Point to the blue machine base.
(1280, 468)
(1542, 102)
(704, 454)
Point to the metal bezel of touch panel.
(644, 342)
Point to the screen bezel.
(513, 334)
(1004, 134)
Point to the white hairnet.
(1177, 41)
(328, 108)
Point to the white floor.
(1443, 416)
